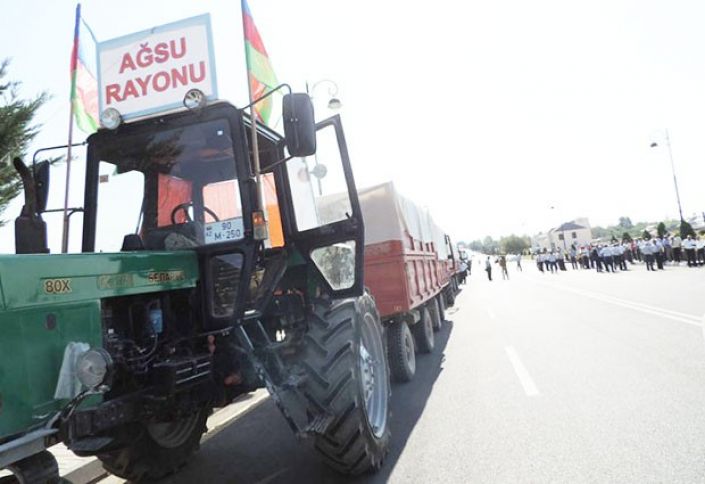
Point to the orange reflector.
(259, 224)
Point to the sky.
(486, 113)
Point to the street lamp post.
(673, 170)
(333, 104)
(333, 100)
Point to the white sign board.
(151, 71)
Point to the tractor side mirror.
(299, 124)
(41, 182)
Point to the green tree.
(686, 229)
(476, 245)
(646, 235)
(489, 245)
(661, 229)
(625, 223)
(16, 132)
(514, 244)
(600, 232)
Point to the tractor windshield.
(189, 184)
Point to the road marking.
(491, 314)
(522, 373)
(637, 306)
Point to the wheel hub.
(173, 434)
(367, 368)
(373, 376)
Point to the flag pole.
(253, 117)
(74, 64)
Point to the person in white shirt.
(659, 252)
(689, 245)
(463, 271)
(552, 262)
(621, 260)
(647, 250)
(607, 258)
(700, 250)
(676, 245)
(539, 261)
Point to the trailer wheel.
(449, 296)
(158, 449)
(402, 351)
(40, 468)
(423, 332)
(348, 378)
(435, 312)
(441, 306)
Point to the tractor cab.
(207, 269)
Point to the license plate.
(223, 231)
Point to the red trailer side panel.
(406, 260)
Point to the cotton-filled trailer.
(410, 270)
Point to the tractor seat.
(173, 237)
(132, 242)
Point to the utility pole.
(673, 170)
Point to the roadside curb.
(93, 471)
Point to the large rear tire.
(402, 351)
(158, 450)
(40, 468)
(423, 332)
(348, 379)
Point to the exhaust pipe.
(30, 229)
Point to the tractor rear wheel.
(423, 332)
(40, 468)
(158, 449)
(402, 351)
(348, 380)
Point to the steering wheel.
(184, 207)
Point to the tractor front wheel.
(348, 379)
(40, 468)
(158, 449)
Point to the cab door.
(326, 222)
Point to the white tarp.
(388, 215)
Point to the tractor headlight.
(110, 118)
(94, 368)
(195, 99)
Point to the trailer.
(410, 269)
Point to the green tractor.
(123, 350)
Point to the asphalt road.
(572, 377)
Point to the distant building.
(576, 232)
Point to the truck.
(410, 270)
(231, 280)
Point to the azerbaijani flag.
(84, 86)
(260, 74)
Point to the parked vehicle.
(124, 354)
(410, 269)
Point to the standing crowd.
(613, 257)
